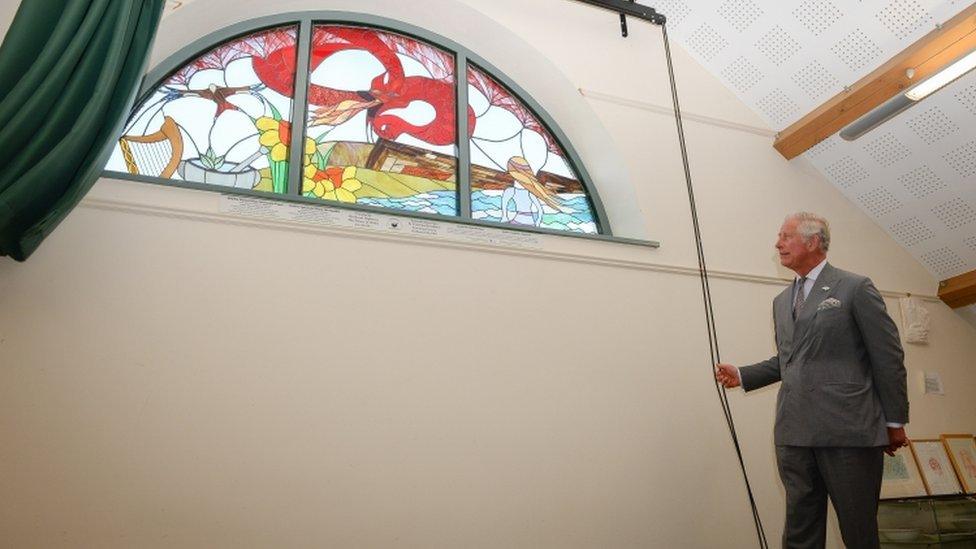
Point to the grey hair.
(810, 225)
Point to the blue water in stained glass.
(434, 202)
(487, 206)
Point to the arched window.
(355, 113)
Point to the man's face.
(793, 251)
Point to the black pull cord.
(707, 296)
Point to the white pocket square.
(829, 303)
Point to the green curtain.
(69, 72)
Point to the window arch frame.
(463, 57)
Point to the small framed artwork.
(933, 462)
(962, 453)
(902, 478)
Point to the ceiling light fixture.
(942, 78)
(911, 96)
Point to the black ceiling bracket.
(623, 22)
(631, 8)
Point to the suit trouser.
(852, 479)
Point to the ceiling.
(915, 175)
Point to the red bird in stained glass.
(390, 90)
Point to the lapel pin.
(825, 288)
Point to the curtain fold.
(69, 72)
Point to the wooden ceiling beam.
(927, 56)
(959, 291)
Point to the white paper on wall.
(933, 383)
(916, 320)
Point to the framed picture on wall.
(902, 478)
(937, 472)
(962, 453)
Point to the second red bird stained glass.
(381, 118)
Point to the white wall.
(173, 376)
(7, 10)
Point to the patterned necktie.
(799, 298)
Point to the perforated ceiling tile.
(706, 41)
(955, 213)
(932, 125)
(911, 231)
(971, 242)
(922, 182)
(777, 45)
(967, 96)
(815, 80)
(846, 172)
(740, 14)
(943, 261)
(857, 50)
(676, 11)
(778, 107)
(742, 74)
(963, 159)
(879, 201)
(886, 149)
(903, 17)
(816, 15)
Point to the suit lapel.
(783, 318)
(822, 288)
(784, 312)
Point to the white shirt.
(810, 281)
(807, 286)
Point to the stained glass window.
(222, 119)
(380, 129)
(381, 112)
(519, 174)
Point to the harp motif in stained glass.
(221, 119)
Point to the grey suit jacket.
(841, 364)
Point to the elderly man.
(843, 398)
